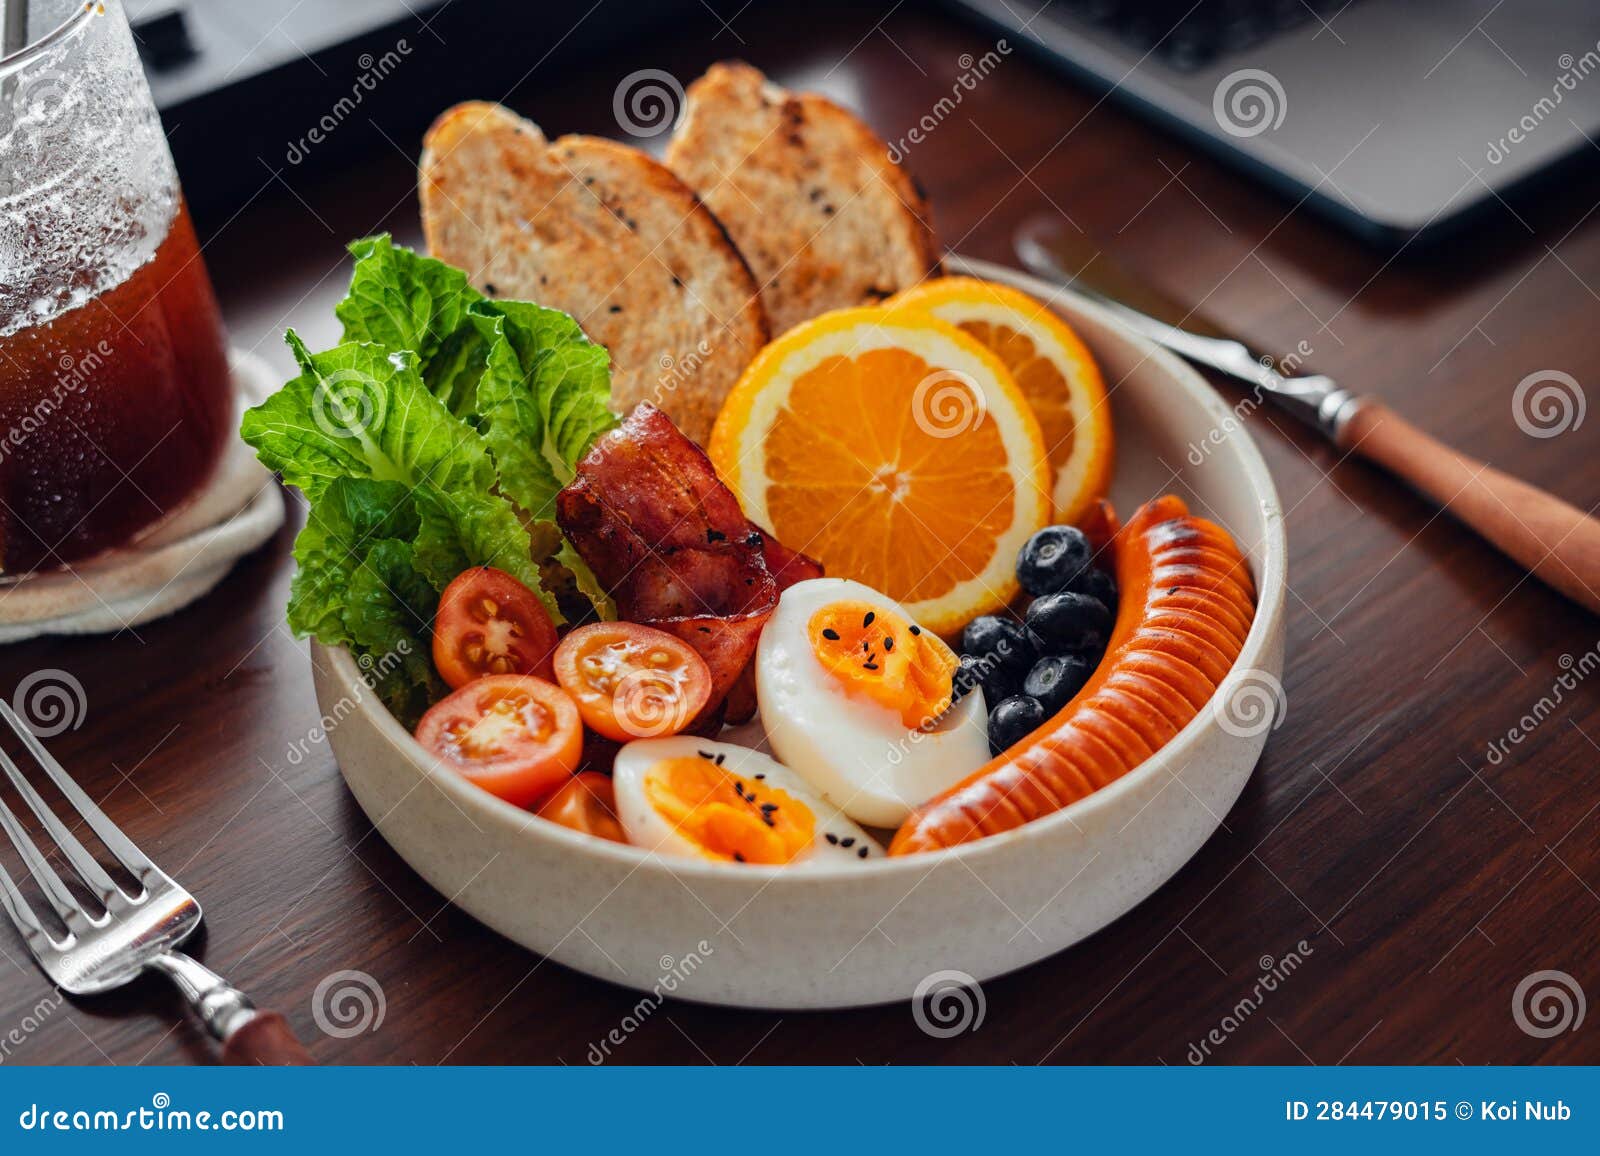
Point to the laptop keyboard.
(1189, 36)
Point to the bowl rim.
(1271, 583)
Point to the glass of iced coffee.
(115, 397)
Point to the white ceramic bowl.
(827, 938)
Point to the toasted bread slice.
(807, 191)
(605, 233)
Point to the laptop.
(1398, 119)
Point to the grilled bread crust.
(605, 233)
(808, 192)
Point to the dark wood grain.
(1426, 878)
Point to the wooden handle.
(1557, 542)
(266, 1039)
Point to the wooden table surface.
(1426, 879)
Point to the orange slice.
(1052, 367)
(898, 451)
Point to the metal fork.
(134, 933)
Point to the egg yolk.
(727, 816)
(879, 655)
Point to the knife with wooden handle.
(1554, 540)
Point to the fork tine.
(61, 899)
(108, 832)
(21, 914)
(82, 862)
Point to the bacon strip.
(667, 539)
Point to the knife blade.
(1048, 251)
(1554, 540)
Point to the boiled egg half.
(708, 800)
(855, 697)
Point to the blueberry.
(1098, 584)
(1070, 622)
(1012, 720)
(1052, 559)
(1055, 679)
(997, 681)
(1004, 642)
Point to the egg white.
(648, 828)
(856, 752)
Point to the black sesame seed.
(867, 621)
(832, 838)
(705, 754)
(861, 854)
(888, 644)
(869, 665)
(720, 759)
(738, 858)
(848, 841)
(753, 538)
(916, 629)
(866, 646)
(830, 634)
(769, 807)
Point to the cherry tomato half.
(632, 681)
(489, 623)
(514, 735)
(588, 804)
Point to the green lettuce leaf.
(390, 612)
(356, 585)
(543, 398)
(434, 438)
(356, 411)
(402, 300)
(352, 513)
